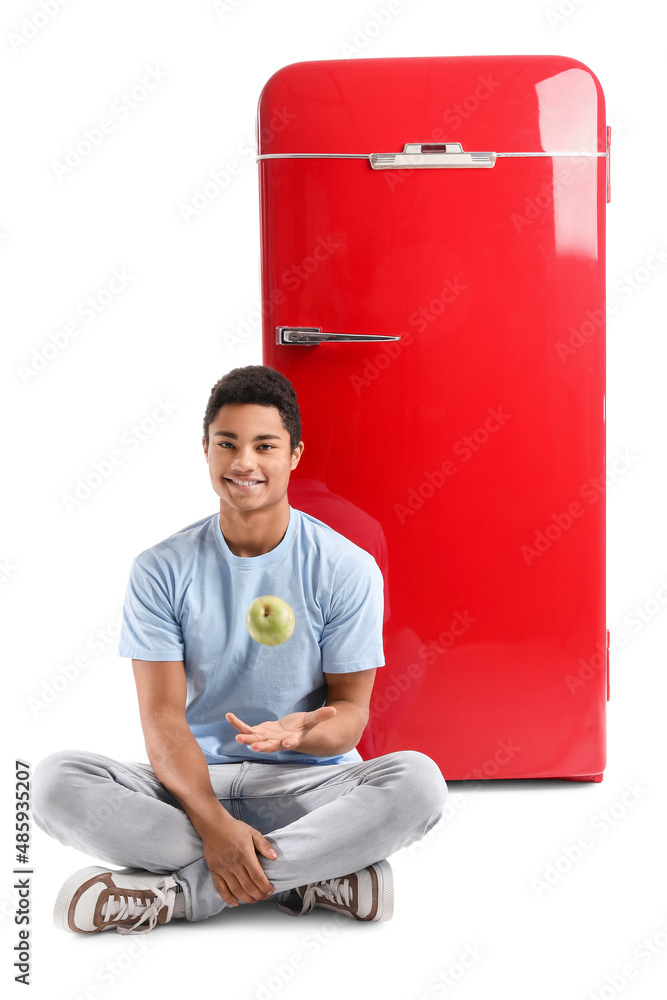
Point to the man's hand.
(282, 734)
(230, 852)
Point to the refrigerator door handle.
(308, 335)
(430, 154)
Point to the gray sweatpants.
(324, 821)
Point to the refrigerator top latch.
(430, 154)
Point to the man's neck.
(253, 533)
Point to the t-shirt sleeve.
(352, 637)
(149, 630)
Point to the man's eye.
(224, 444)
(269, 446)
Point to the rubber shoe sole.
(385, 890)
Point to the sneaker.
(133, 901)
(364, 895)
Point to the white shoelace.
(126, 904)
(335, 890)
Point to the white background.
(166, 337)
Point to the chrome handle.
(431, 154)
(313, 335)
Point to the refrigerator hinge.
(608, 648)
(608, 163)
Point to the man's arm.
(350, 695)
(179, 764)
(319, 733)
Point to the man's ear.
(296, 455)
(203, 441)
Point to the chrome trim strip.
(367, 156)
(553, 154)
(294, 156)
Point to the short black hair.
(261, 385)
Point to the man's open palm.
(280, 734)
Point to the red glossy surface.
(454, 451)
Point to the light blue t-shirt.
(186, 600)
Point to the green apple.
(270, 620)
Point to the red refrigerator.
(433, 284)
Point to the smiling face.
(249, 457)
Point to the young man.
(255, 788)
